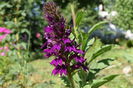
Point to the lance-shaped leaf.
(100, 51)
(87, 86)
(100, 82)
(90, 43)
(95, 27)
(79, 17)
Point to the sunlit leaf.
(100, 82)
(100, 51)
(95, 27)
(79, 17)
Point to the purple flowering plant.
(70, 53)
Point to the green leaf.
(84, 38)
(100, 51)
(110, 77)
(82, 75)
(101, 64)
(66, 81)
(90, 43)
(93, 48)
(25, 30)
(79, 17)
(98, 83)
(30, 1)
(95, 27)
(3, 5)
(87, 86)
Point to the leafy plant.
(25, 20)
(123, 19)
(73, 67)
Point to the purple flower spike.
(59, 44)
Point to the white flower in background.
(129, 34)
(128, 70)
(112, 26)
(113, 13)
(105, 14)
(102, 13)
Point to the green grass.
(122, 57)
(42, 75)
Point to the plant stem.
(71, 79)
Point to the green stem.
(71, 79)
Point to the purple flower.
(49, 32)
(57, 61)
(68, 56)
(60, 69)
(78, 65)
(77, 58)
(74, 49)
(53, 50)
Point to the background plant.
(25, 20)
(124, 11)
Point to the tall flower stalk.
(68, 56)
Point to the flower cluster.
(68, 56)
(3, 50)
(4, 32)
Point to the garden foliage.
(69, 59)
(124, 12)
(21, 37)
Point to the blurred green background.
(24, 65)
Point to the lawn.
(122, 57)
